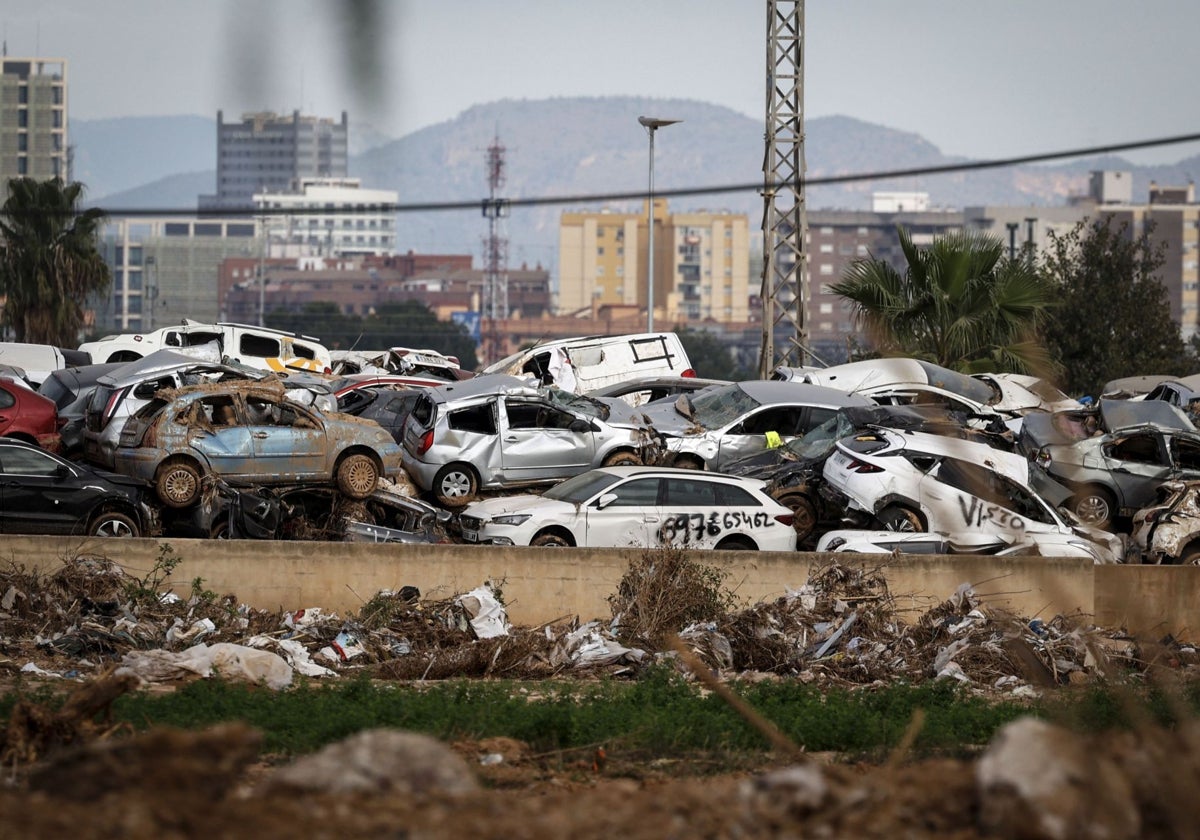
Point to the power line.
(593, 198)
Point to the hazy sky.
(981, 79)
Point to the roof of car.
(1010, 464)
(772, 391)
(677, 472)
(481, 386)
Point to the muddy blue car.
(250, 433)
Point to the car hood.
(489, 508)
(663, 416)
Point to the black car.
(793, 471)
(386, 405)
(41, 493)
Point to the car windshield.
(972, 389)
(716, 407)
(577, 402)
(822, 440)
(582, 487)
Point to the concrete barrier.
(543, 585)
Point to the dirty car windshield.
(720, 406)
(972, 389)
(582, 487)
(821, 440)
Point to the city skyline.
(979, 80)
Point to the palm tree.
(961, 304)
(49, 264)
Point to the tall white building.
(334, 216)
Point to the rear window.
(54, 389)
(150, 409)
(423, 412)
(303, 351)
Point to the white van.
(36, 361)
(259, 347)
(584, 364)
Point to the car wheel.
(357, 476)
(454, 485)
(1094, 506)
(804, 513)
(550, 541)
(177, 484)
(114, 525)
(1190, 556)
(899, 518)
(221, 530)
(736, 544)
(622, 459)
(688, 463)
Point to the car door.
(766, 427)
(541, 441)
(1138, 462)
(288, 441)
(626, 514)
(1185, 457)
(39, 494)
(694, 513)
(216, 431)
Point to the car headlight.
(512, 519)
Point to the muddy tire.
(177, 484)
(804, 513)
(455, 485)
(550, 541)
(736, 544)
(112, 524)
(221, 530)
(900, 518)
(357, 476)
(1094, 506)
(1190, 556)
(622, 459)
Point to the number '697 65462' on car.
(637, 507)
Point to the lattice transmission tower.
(785, 223)
(495, 257)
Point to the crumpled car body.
(642, 507)
(713, 428)
(250, 433)
(1115, 455)
(1044, 544)
(1168, 532)
(27, 415)
(499, 432)
(310, 512)
(920, 482)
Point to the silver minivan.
(498, 431)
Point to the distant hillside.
(578, 147)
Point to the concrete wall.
(542, 585)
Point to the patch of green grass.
(660, 713)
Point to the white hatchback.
(646, 507)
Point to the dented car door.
(541, 441)
(287, 440)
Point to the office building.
(330, 216)
(33, 120)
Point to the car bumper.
(420, 472)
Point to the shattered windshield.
(719, 406)
(582, 487)
(820, 441)
(577, 402)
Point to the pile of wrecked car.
(600, 440)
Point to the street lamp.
(651, 124)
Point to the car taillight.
(785, 519)
(328, 371)
(858, 466)
(1042, 459)
(689, 373)
(110, 406)
(426, 442)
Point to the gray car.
(717, 426)
(499, 432)
(1113, 457)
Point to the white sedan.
(637, 507)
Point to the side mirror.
(605, 500)
(580, 426)
(62, 471)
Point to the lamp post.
(651, 124)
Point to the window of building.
(826, 269)
(827, 231)
(599, 271)
(826, 247)
(826, 308)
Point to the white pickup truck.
(259, 347)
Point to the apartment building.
(33, 120)
(331, 216)
(701, 268)
(267, 152)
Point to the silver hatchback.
(499, 432)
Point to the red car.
(27, 415)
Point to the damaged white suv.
(915, 481)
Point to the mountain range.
(574, 149)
